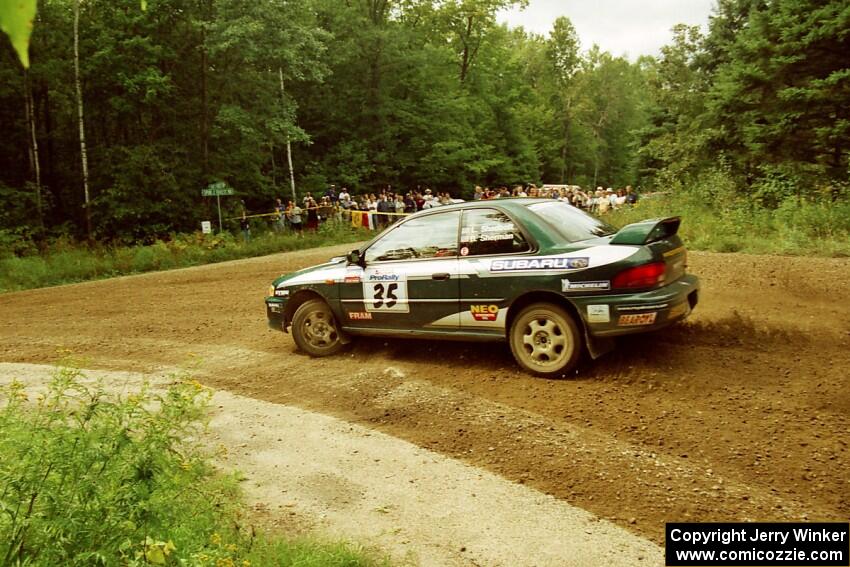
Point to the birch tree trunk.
(288, 145)
(33, 145)
(205, 120)
(83, 153)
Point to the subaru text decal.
(529, 264)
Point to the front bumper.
(275, 308)
(613, 315)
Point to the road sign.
(216, 190)
(206, 227)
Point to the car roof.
(518, 206)
(509, 203)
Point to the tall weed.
(718, 217)
(93, 478)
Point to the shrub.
(89, 478)
(715, 217)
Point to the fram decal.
(484, 312)
(637, 319)
(567, 285)
(352, 279)
(281, 292)
(360, 315)
(527, 264)
(598, 314)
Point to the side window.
(488, 231)
(431, 236)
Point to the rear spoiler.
(647, 231)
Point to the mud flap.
(597, 346)
(344, 338)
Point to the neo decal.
(484, 312)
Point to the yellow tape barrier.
(275, 214)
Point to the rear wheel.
(315, 329)
(545, 340)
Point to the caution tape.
(349, 211)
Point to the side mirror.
(354, 257)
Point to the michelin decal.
(567, 285)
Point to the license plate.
(637, 319)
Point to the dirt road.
(307, 472)
(742, 413)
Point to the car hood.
(332, 263)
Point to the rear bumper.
(614, 315)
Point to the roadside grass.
(712, 220)
(796, 227)
(93, 478)
(67, 262)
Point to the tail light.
(645, 275)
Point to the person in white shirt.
(430, 201)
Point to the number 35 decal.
(391, 299)
(383, 293)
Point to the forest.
(127, 109)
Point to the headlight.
(271, 291)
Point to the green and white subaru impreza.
(551, 280)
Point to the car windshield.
(573, 224)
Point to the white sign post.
(206, 227)
(217, 190)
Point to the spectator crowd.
(379, 210)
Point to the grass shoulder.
(66, 262)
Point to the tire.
(545, 340)
(315, 329)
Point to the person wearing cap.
(430, 201)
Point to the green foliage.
(718, 216)
(366, 93)
(89, 477)
(407, 93)
(64, 261)
(766, 89)
(16, 20)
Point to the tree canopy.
(406, 93)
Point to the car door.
(488, 235)
(409, 278)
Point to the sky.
(622, 27)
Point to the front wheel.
(545, 340)
(315, 330)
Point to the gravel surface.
(741, 413)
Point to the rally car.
(548, 278)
